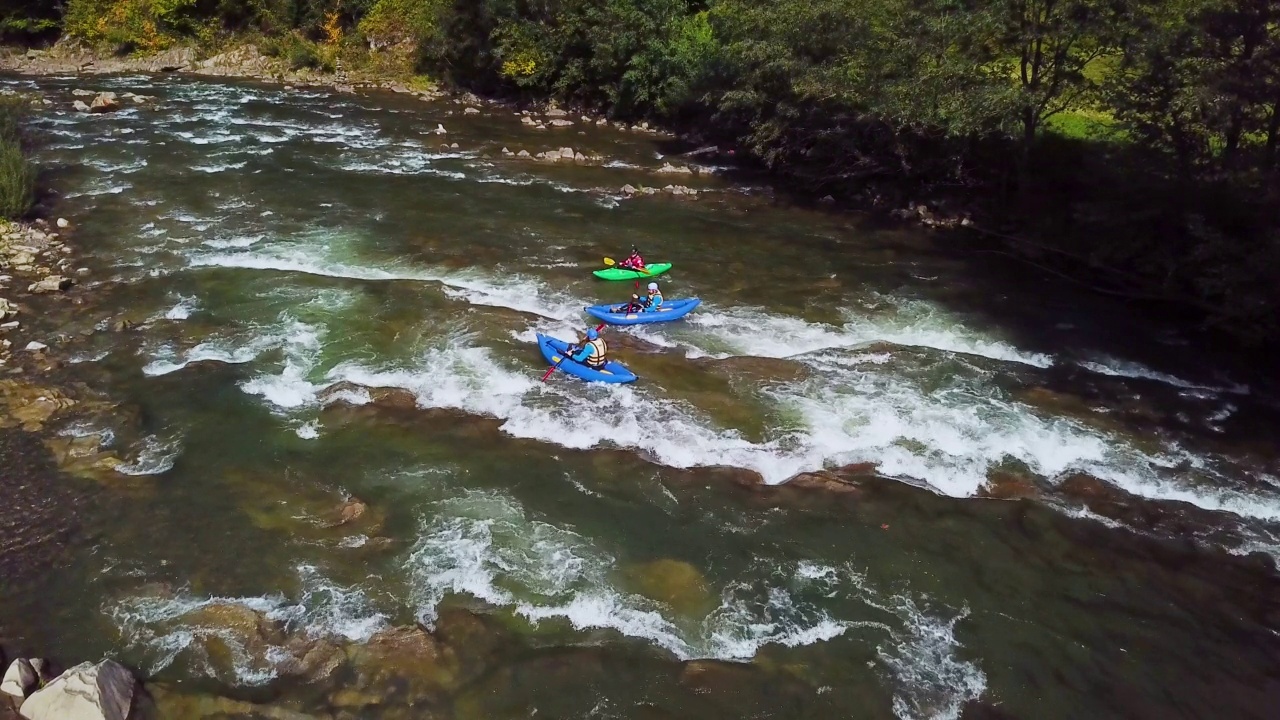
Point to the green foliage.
(17, 176)
(128, 25)
(396, 22)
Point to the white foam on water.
(237, 241)
(485, 546)
(218, 167)
(290, 388)
(169, 627)
(750, 331)
(156, 456)
(514, 291)
(308, 430)
(124, 168)
(1114, 367)
(932, 683)
(231, 351)
(181, 311)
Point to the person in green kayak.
(591, 352)
(653, 300)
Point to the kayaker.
(631, 307)
(633, 261)
(653, 300)
(592, 351)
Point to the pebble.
(63, 223)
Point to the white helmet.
(653, 286)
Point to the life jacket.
(596, 359)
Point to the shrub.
(395, 22)
(17, 181)
(129, 25)
(13, 110)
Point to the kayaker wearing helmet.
(653, 300)
(633, 261)
(592, 352)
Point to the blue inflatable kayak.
(670, 310)
(553, 350)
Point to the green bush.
(17, 181)
(13, 111)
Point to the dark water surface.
(271, 244)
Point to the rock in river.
(85, 692)
(53, 283)
(675, 583)
(104, 102)
(22, 677)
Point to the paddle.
(556, 365)
(611, 262)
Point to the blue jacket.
(652, 302)
(593, 349)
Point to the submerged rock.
(168, 703)
(85, 692)
(409, 659)
(675, 583)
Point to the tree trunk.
(1231, 144)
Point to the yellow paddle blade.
(609, 262)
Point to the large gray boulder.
(85, 692)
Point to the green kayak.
(613, 273)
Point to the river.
(278, 250)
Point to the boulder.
(172, 60)
(471, 111)
(104, 102)
(85, 692)
(566, 153)
(22, 677)
(35, 346)
(506, 151)
(629, 189)
(53, 283)
(7, 309)
(560, 122)
(80, 92)
(556, 112)
(523, 154)
(64, 223)
(526, 120)
(579, 158)
(80, 106)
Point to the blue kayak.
(670, 310)
(553, 350)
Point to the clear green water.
(272, 244)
